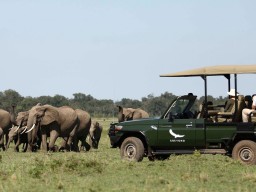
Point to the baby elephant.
(18, 137)
(95, 134)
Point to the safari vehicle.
(182, 130)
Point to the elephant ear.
(50, 116)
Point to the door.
(178, 128)
(178, 134)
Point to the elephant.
(22, 118)
(95, 134)
(21, 121)
(53, 121)
(18, 136)
(7, 120)
(82, 130)
(126, 114)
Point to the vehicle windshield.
(183, 105)
(179, 106)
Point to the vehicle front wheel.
(245, 151)
(132, 149)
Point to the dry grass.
(103, 170)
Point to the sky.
(117, 49)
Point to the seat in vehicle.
(229, 114)
(201, 109)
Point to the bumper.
(114, 138)
(114, 141)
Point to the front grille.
(111, 131)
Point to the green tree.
(9, 98)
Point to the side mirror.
(170, 117)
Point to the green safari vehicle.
(182, 129)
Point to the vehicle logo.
(175, 135)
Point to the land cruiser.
(182, 129)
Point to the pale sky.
(117, 49)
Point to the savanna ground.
(103, 170)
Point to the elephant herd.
(42, 125)
(33, 127)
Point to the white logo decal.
(175, 135)
(153, 127)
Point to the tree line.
(154, 105)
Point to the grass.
(103, 170)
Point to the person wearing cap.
(246, 112)
(230, 103)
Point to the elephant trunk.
(9, 141)
(31, 133)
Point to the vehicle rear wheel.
(132, 149)
(245, 151)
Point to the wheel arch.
(139, 135)
(242, 136)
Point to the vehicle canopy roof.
(215, 70)
(218, 70)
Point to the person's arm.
(254, 102)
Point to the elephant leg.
(74, 142)
(2, 139)
(8, 144)
(87, 146)
(84, 146)
(72, 139)
(6, 139)
(53, 137)
(25, 146)
(30, 142)
(44, 141)
(17, 144)
(63, 144)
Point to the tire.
(132, 149)
(245, 151)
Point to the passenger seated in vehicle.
(248, 101)
(231, 101)
(247, 112)
(227, 113)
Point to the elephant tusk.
(17, 129)
(25, 128)
(31, 128)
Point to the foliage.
(154, 105)
(103, 170)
